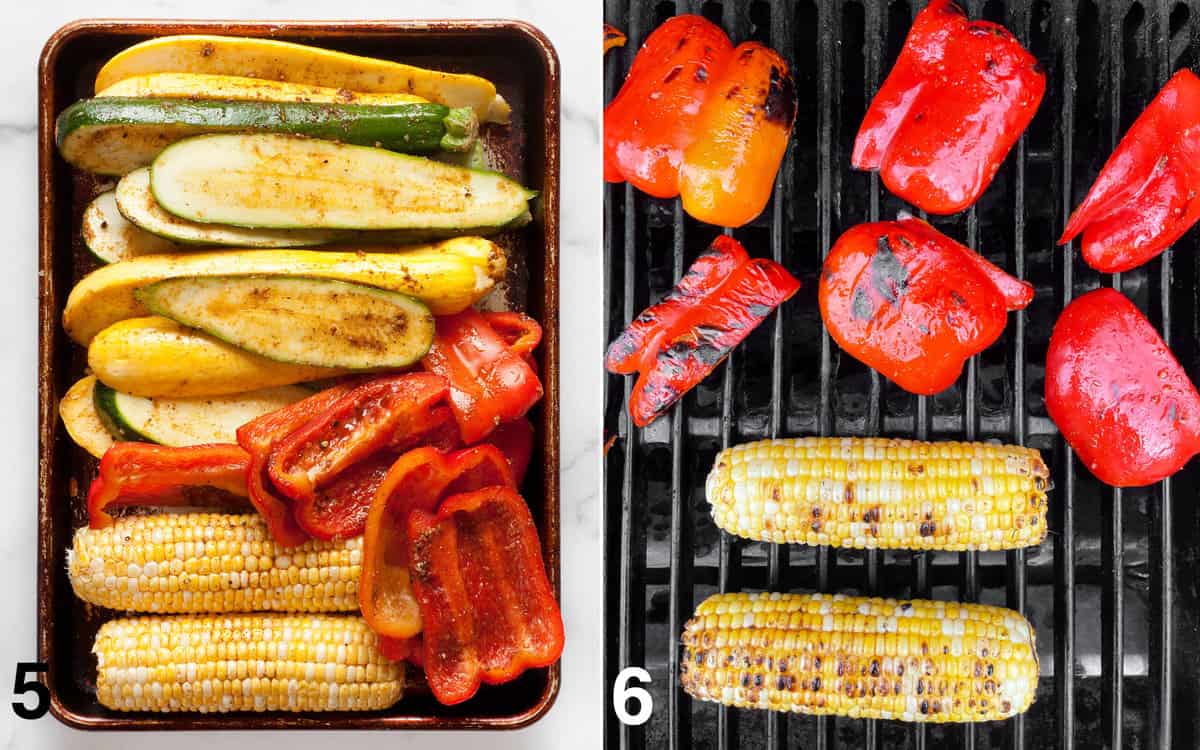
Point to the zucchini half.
(263, 180)
(240, 88)
(78, 412)
(111, 237)
(115, 135)
(305, 321)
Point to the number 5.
(622, 693)
(22, 684)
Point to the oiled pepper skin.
(1148, 193)
(914, 304)
(729, 170)
(960, 95)
(1117, 393)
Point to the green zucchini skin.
(110, 415)
(115, 135)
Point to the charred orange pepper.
(418, 480)
(914, 304)
(653, 118)
(613, 37)
(148, 474)
(728, 170)
(486, 604)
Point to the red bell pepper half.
(960, 95)
(914, 304)
(418, 480)
(486, 604)
(675, 344)
(158, 475)
(1117, 394)
(1148, 193)
(489, 382)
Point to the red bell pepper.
(914, 304)
(1148, 193)
(652, 119)
(331, 466)
(401, 649)
(1117, 394)
(258, 438)
(675, 344)
(489, 383)
(486, 604)
(960, 95)
(521, 333)
(147, 474)
(613, 37)
(515, 441)
(418, 480)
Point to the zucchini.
(111, 237)
(137, 204)
(242, 89)
(155, 357)
(448, 276)
(187, 421)
(273, 60)
(305, 321)
(116, 135)
(277, 181)
(78, 412)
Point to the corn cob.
(259, 662)
(880, 492)
(210, 562)
(861, 657)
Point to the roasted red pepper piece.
(521, 333)
(652, 119)
(741, 136)
(402, 649)
(914, 304)
(418, 480)
(488, 609)
(258, 438)
(676, 343)
(613, 37)
(1148, 193)
(1117, 394)
(147, 474)
(960, 95)
(331, 466)
(515, 441)
(489, 383)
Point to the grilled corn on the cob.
(260, 662)
(881, 492)
(860, 657)
(210, 562)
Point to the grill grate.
(1117, 625)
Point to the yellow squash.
(78, 412)
(270, 59)
(241, 88)
(448, 276)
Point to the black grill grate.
(1112, 592)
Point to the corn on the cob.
(880, 492)
(210, 562)
(860, 657)
(260, 662)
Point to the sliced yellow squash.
(270, 59)
(83, 423)
(448, 276)
(241, 88)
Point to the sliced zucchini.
(240, 88)
(274, 60)
(306, 321)
(187, 421)
(448, 276)
(111, 237)
(83, 423)
(115, 135)
(155, 357)
(277, 181)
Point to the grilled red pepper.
(489, 383)
(652, 119)
(486, 604)
(913, 303)
(676, 343)
(401, 649)
(147, 474)
(960, 95)
(613, 37)
(521, 333)
(331, 466)
(1148, 193)
(1117, 393)
(418, 480)
(515, 441)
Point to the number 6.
(622, 693)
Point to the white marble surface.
(574, 28)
